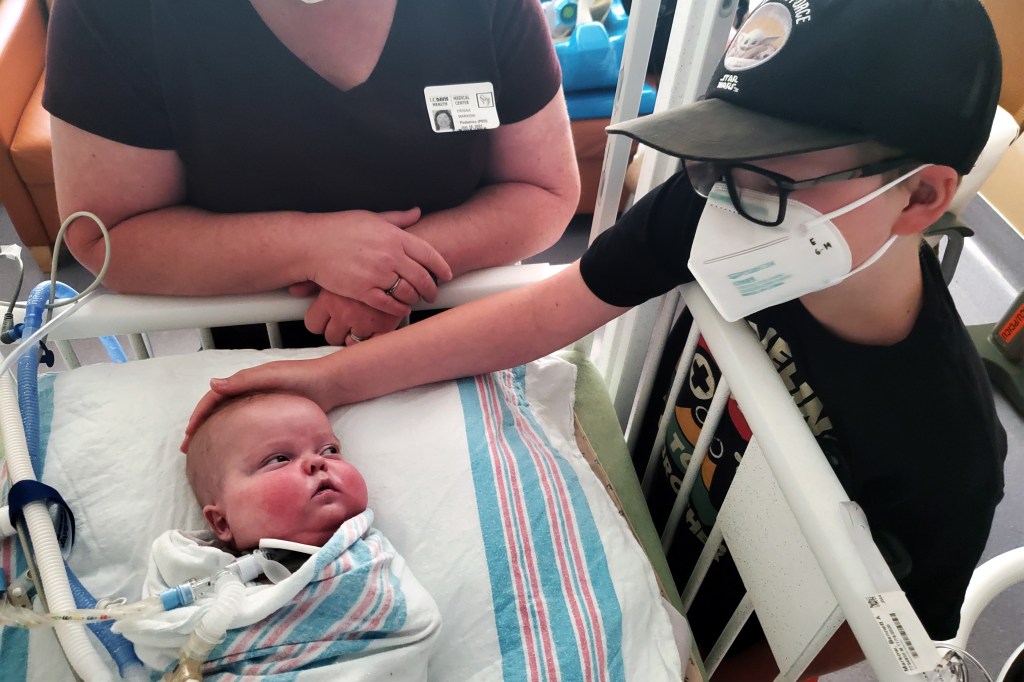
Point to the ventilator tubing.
(18, 616)
(119, 648)
(46, 551)
(73, 639)
(228, 595)
(28, 365)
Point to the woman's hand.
(344, 321)
(309, 378)
(366, 255)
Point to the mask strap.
(873, 257)
(870, 196)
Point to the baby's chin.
(317, 537)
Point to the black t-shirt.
(258, 130)
(909, 428)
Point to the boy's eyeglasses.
(770, 189)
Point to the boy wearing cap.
(812, 167)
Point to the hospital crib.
(809, 562)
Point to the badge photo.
(461, 106)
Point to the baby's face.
(282, 474)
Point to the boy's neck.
(879, 305)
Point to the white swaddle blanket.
(351, 611)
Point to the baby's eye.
(275, 459)
(332, 450)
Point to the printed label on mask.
(748, 283)
(462, 106)
(745, 267)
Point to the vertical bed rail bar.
(690, 62)
(139, 347)
(682, 372)
(636, 53)
(693, 467)
(67, 352)
(732, 629)
(607, 356)
(206, 339)
(585, 345)
(700, 569)
(698, 38)
(625, 342)
(671, 304)
(274, 335)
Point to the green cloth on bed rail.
(597, 417)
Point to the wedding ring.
(390, 291)
(357, 339)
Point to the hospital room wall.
(1003, 188)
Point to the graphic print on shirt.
(730, 440)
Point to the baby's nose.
(316, 463)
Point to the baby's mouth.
(324, 487)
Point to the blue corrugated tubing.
(28, 365)
(120, 649)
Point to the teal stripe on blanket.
(14, 641)
(554, 618)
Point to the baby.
(268, 466)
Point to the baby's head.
(268, 465)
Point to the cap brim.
(716, 130)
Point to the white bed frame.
(829, 565)
(824, 565)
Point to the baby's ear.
(218, 523)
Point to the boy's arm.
(492, 333)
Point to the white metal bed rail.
(136, 315)
(699, 33)
(833, 528)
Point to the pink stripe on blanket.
(377, 584)
(519, 537)
(561, 508)
(255, 638)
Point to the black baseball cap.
(922, 76)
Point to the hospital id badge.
(462, 106)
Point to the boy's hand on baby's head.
(300, 377)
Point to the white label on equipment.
(462, 106)
(903, 632)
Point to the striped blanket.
(352, 611)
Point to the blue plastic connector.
(176, 597)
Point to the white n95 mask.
(744, 267)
